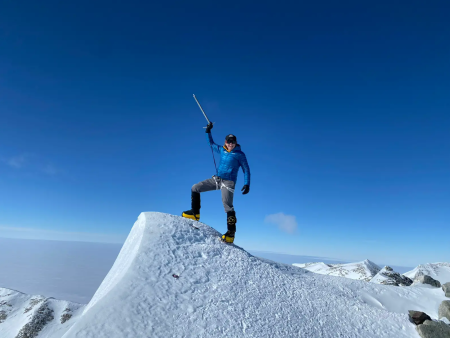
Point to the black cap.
(230, 137)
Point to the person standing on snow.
(231, 158)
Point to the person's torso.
(229, 163)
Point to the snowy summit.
(173, 280)
(439, 271)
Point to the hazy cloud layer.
(34, 233)
(286, 223)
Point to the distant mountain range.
(26, 316)
(370, 272)
(364, 270)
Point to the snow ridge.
(223, 291)
(220, 290)
(364, 270)
(123, 262)
(388, 276)
(439, 271)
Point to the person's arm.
(213, 145)
(246, 170)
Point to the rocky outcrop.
(42, 316)
(428, 328)
(33, 302)
(444, 310)
(26, 316)
(3, 316)
(446, 288)
(439, 271)
(5, 307)
(417, 317)
(433, 329)
(67, 314)
(388, 276)
(425, 279)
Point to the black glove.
(209, 127)
(245, 189)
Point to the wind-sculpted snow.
(123, 262)
(223, 291)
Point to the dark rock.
(417, 317)
(387, 276)
(3, 316)
(446, 288)
(33, 303)
(42, 316)
(66, 315)
(432, 329)
(425, 279)
(444, 310)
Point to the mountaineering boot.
(231, 221)
(228, 237)
(194, 213)
(191, 214)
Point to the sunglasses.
(230, 141)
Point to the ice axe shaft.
(209, 122)
(206, 117)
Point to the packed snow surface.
(439, 271)
(364, 270)
(223, 291)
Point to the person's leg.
(227, 188)
(206, 185)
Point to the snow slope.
(439, 271)
(364, 270)
(388, 276)
(22, 315)
(223, 291)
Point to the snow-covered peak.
(172, 280)
(364, 270)
(23, 315)
(388, 276)
(439, 271)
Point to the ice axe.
(206, 117)
(209, 122)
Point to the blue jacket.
(230, 161)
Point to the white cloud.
(286, 223)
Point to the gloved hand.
(209, 127)
(245, 189)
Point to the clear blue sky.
(342, 108)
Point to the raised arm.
(213, 145)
